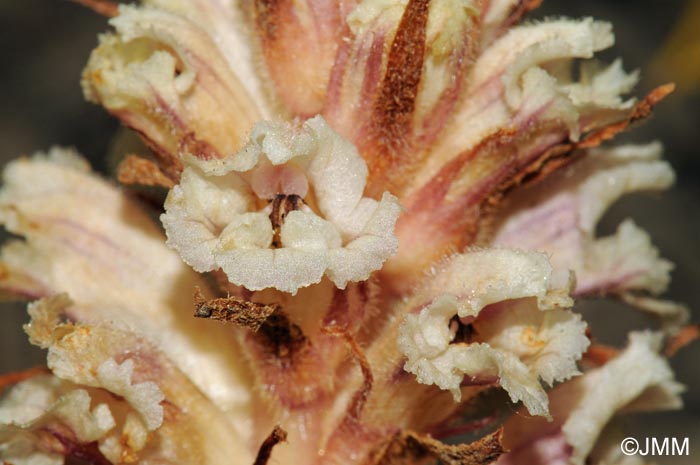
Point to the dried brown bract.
(233, 310)
(407, 447)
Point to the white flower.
(285, 210)
(524, 335)
(638, 379)
(560, 216)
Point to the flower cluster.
(378, 216)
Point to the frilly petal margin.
(519, 325)
(559, 217)
(283, 212)
(523, 109)
(87, 238)
(636, 380)
(145, 408)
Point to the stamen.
(281, 205)
(278, 435)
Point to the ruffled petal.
(283, 212)
(145, 409)
(519, 328)
(521, 110)
(87, 238)
(636, 380)
(560, 216)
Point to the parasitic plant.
(378, 216)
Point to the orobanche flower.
(378, 216)
(282, 212)
(637, 379)
(524, 335)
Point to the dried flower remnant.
(289, 134)
(284, 211)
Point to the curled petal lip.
(322, 226)
(520, 329)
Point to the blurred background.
(45, 44)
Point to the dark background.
(45, 44)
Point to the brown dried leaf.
(233, 310)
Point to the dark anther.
(281, 205)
